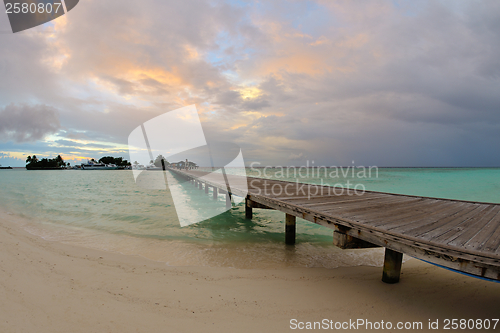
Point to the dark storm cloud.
(27, 123)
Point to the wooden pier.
(460, 235)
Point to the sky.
(385, 83)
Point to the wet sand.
(48, 286)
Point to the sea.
(107, 210)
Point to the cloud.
(387, 83)
(27, 123)
(296, 157)
(6, 159)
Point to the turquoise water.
(107, 210)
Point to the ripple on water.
(106, 210)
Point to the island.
(33, 163)
(58, 163)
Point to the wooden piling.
(206, 188)
(248, 209)
(228, 200)
(200, 185)
(392, 266)
(215, 194)
(290, 229)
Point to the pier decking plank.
(352, 204)
(330, 199)
(493, 243)
(412, 215)
(423, 217)
(440, 221)
(443, 225)
(391, 208)
(456, 230)
(359, 206)
(469, 233)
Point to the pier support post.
(215, 194)
(206, 188)
(290, 229)
(392, 266)
(228, 200)
(248, 209)
(344, 241)
(200, 186)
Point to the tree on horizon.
(114, 160)
(44, 163)
(158, 159)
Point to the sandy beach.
(53, 287)
(187, 166)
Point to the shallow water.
(107, 210)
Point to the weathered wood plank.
(492, 244)
(254, 204)
(417, 223)
(424, 217)
(374, 209)
(456, 228)
(444, 225)
(345, 241)
(314, 203)
(412, 215)
(472, 230)
(391, 208)
(437, 221)
(477, 241)
(330, 198)
(350, 208)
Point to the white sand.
(52, 287)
